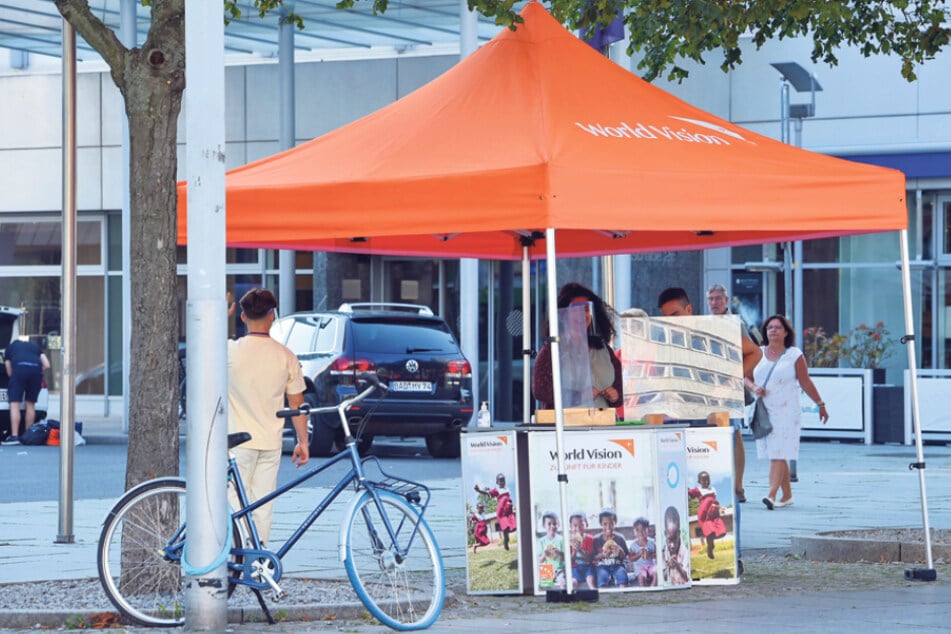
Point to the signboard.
(712, 505)
(684, 368)
(620, 483)
(490, 500)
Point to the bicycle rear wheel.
(140, 551)
(404, 591)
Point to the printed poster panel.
(711, 505)
(612, 507)
(673, 567)
(489, 490)
(684, 368)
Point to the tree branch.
(92, 29)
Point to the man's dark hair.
(674, 292)
(257, 302)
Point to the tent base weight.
(563, 596)
(921, 574)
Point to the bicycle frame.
(417, 494)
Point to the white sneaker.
(11, 440)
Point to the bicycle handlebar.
(307, 410)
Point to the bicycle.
(388, 550)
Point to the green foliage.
(868, 347)
(233, 11)
(862, 347)
(668, 31)
(492, 567)
(820, 349)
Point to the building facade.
(865, 111)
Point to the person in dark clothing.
(25, 364)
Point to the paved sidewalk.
(841, 486)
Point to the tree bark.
(151, 80)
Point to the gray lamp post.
(802, 81)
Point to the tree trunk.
(151, 79)
(153, 98)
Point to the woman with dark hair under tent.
(595, 383)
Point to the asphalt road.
(30, 474)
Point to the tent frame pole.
(526, 333)
(929, 573)
(571, 593)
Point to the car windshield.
(402, 337)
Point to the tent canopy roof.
(536, 130)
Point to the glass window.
(300, 337)
(681, 372)
(698, 342)
(658, 333)
(656, 370)
(716, 347)
(391, 337)
(678, 337)
(39, 242)
(327, 335)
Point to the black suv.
(407, 347)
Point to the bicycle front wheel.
(140, 552)
(400, 580)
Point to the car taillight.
(459, 369)
(345, 365)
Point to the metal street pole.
(208, 539)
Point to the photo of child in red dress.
(480, 526)
(708, 513)
(505, 511)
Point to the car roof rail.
(392, 306)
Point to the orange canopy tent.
(537, 130)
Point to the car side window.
(301, 336)
(326, 335)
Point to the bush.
(821, 350)
(868, 347)
(863, 347)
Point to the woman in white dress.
(780, 395)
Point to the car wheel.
(443, 445)
(321, 440)
(321, 436)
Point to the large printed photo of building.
(683, 368)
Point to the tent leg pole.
(929, 573)
(570, 593)
(526, 336)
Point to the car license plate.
(3, 396)
(411, 386)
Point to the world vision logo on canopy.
(710, 133)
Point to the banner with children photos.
(489, 495)
(614, 508)
(683, 368)
(673, 560)
(712, 505)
